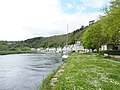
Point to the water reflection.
(26, 71)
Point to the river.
(26, 71)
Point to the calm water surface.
(26, 71)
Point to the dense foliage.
(106, 30)
(92, 38)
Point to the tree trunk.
(97, 49)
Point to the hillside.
(37, 42)
(55, 41)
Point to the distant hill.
(37, 42)
(55, 41)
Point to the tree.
(106, 30)
(2, 46)
(92, 38)
(111, 23)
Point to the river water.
(26, 71)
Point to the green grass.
(89, 72)
(14, 52)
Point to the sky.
(24, 19)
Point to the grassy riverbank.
(89, 72)
(13, 52)
(46, 82)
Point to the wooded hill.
(38, 42)
(55, 41)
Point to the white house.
(78, 46)
(51, 49)
(33, 49)
(59, 50)
(110, 47)
(67, 48)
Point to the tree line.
(106, 30)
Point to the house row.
(77, 47)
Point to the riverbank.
(88, 72)
(14, 52)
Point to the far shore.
(14, 52)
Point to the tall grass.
(89, 72)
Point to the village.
(77, 47)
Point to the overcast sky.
(23, 19)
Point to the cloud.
(23, 19)
(17, 15)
